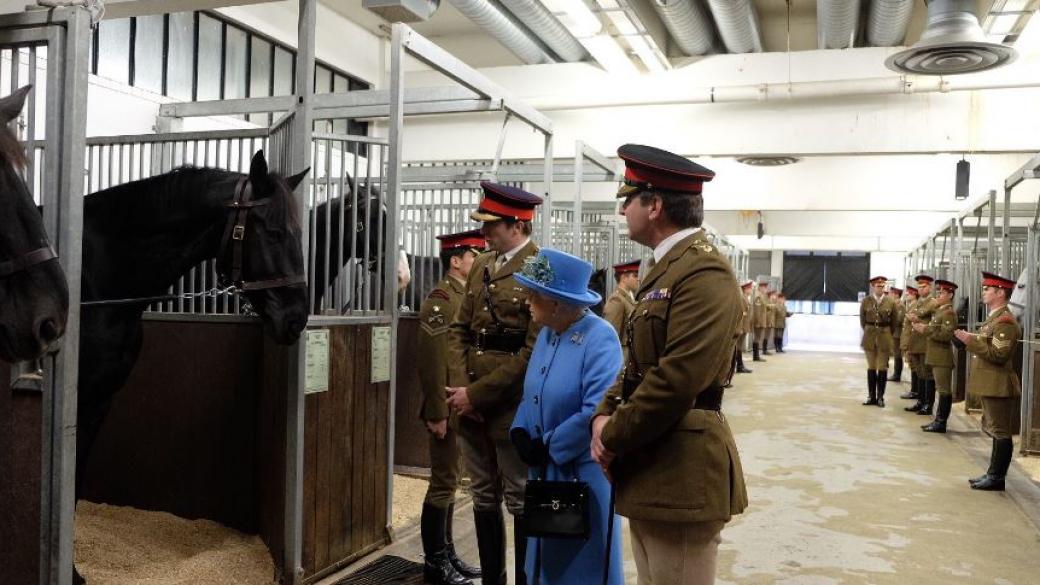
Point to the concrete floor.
(848, 494)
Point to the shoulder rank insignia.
(658, 295)
(1006, 319)
(438, 294)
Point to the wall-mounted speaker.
(963, 174)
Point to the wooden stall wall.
(21, 436)
(411, 442)
(345, 458)
(1033, 446)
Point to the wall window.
(113, 44)
(149, 42)
(208, 65)
(236, 63)
(180, 51)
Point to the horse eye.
(360, 226)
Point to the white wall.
(890, 264)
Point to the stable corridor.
(849, 494)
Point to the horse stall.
(45, 49)
(1028, 295)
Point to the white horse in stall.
(1020, 296)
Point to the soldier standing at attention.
(993, 377)
(744, 329)
(442, 566)
(939, 357)
(760, 317)
(877, 315)
(897, 334)
(620, 305)
(659, 432)
(781, 322)
(918, 346)
(770, 322)
(489, 345)
(909, 303)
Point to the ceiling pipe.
(887, 22)
(688, 24)
(836, 23)
(782, 92)
(544, 25)
(500, 26)
(738, 25)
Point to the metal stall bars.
(1030, 425)
(48, 49)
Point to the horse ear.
(11, 105)
(296, 179)
(258, 167)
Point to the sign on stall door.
(317, 362)
(380, 354)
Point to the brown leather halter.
(235, 235)
(26, 261)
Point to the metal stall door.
(1030, 426)
(47, 49)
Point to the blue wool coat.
(566, 378)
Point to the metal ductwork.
(687, 23)
(836, 23)
(545, 26)
(738, 25)
(500, 26)
(952, 43)
(888, 21)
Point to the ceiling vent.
(402, 10)
(767, 161)
(952, 43)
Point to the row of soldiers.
(922, 324)
(764, 316)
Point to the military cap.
(990, 279)
(896, 290)
(502, 201)
(648, 168)
(468, 239)
(764, 281)
(878, 278)
(911, 289)
(630, 266)
(945, 285)
(923, 278)
(748, 283)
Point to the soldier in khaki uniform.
(442, 565)
(660, 432)
(910, 301)
(993, 377)
(780, 321)
(939, 356)
(743, 329)
(918, 346)
(897, 334)
(620, 305)
(760, 318)
(489, 345)
(877, 317)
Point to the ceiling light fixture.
(768, 161)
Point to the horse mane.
(11, 150)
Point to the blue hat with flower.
(559, 275)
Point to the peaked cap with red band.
(877, 278)
(747, 284)
(649, 168)
(471, 239)
(945, 285)
(631, 266)
(895, 290)
(911, 289)
(923, 278)
(502, 201)
(990, 279)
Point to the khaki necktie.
(500, 262)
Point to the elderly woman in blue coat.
(575, 360)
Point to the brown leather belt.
(508, 341)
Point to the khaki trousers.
(494, 468)
(876, 360)
(445, 466)
(943, 380)
(675, 553)
(998, 416)
(760, 334)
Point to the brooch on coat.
(578, 338)
(658, 295)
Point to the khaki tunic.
(897, 332)
(940, 334)
(676, 463)
(495, 379)
(745, 317)
(993, 375)
(878, 322)
(919, 341)
(907, 328)
(780, 315)
(760, 314)
(617, 311)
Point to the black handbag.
(557, 509)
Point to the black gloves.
(533, 452)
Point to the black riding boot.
(520, 550)
(77, 579)
(882, 381)
(942, 414)
(765, 346)
(491, 545)
(1000, 461)
(897, 372)
(929, 398)
(992, 464)
(461, 566)
(913, 393)
(871, 388)
(741, 368)
(755, 353)
(437, 568)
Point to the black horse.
(34, 296)
(598, 284)
(140, 237)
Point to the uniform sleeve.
(699, 338)
(571, 438)
(941, 329)
(459, 336)
(998, 348)
(433, 362)
(894, 326)
(863, 314)
(614, 313)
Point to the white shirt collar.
(879, 299)
(509, 255)
(668, 243)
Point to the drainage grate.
(386, 569)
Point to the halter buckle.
(239, 233)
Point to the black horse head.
(598, 284)
(34, 296)
(271, 254)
